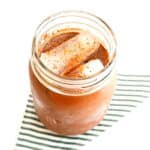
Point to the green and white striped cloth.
(131, 90)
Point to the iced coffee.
(72, 79)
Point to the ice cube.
(88, 69)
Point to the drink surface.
(72, 53)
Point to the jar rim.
(65, 79)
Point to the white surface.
(18, 19)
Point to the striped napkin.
(131, 91)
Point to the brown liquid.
(69, 115)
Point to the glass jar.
(72, 106)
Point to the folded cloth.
(130, 92)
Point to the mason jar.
(72, 106)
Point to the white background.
(129, 19)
